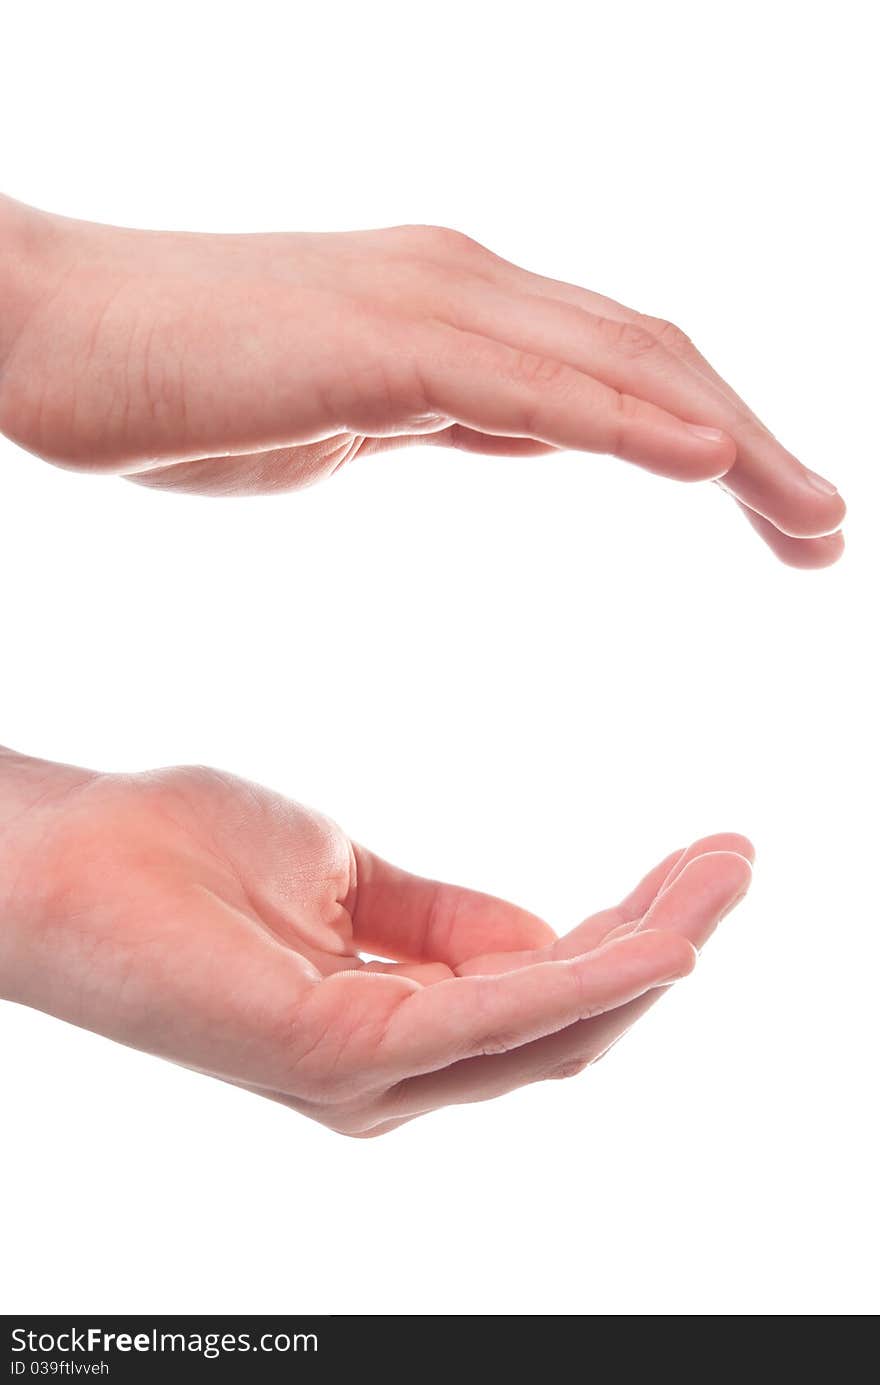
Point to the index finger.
(474, 1015)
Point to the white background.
(534, 677)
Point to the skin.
(210, 921)
(216, 924)
(240, 364)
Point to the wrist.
(29, 242)
(14, 772)
(36, 799)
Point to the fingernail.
(710, 434)
(819, 483)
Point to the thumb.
(410, 918)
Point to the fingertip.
(715, 457)
(723, 872)
(690, 958)
(797, 552)
(701, 895)
(739, 870)
(718, 843)
(821, 511)
(724, 842)
(542, 936)
(810, 553)
(667, 445)
(674, 954)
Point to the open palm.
(219, 925)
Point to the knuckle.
(540, 371)
(629, 339)
(669, 335)
(626, 409)
(628, 406)
(445, 239)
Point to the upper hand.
(229, 364)
(214, 923)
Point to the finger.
(715, 848)
(405, 916)
(594, 931)
(693, 906)
(800, 553)
(645, 892)
(765, 476)
(471, 1016)
(623, 918)
(670, 868)
(586, 936)
(630, 358)
(494, 388)
(718, 843)
(703, 876)
(699, 894)
(608, 1029)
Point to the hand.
(233, 364)
(216, 924)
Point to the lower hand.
(219, 925)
